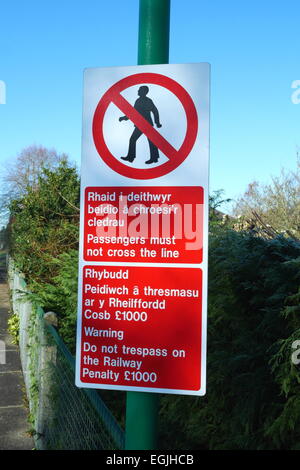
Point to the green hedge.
(253, 399)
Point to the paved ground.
(13, 414)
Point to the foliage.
(45, 223)
(14, 328)
(23, 171)
(252, 283)
(287, 374)
(217, 219)
(44, 241)
(272, 209)
(60, 295)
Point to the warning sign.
(121, 307)
(140, 115)
(154, 225)
(142, 290)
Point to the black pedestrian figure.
(145, 107)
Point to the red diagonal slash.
(143, 125)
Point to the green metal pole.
(154, 32)
(141, 421)
(153, 48)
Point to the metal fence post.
(47, 357)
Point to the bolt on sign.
(144, 227)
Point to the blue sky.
(252, 46)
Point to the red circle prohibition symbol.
(175, 157)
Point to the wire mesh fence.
(63, 416)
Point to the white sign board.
(144, 228)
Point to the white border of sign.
(194, 171)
